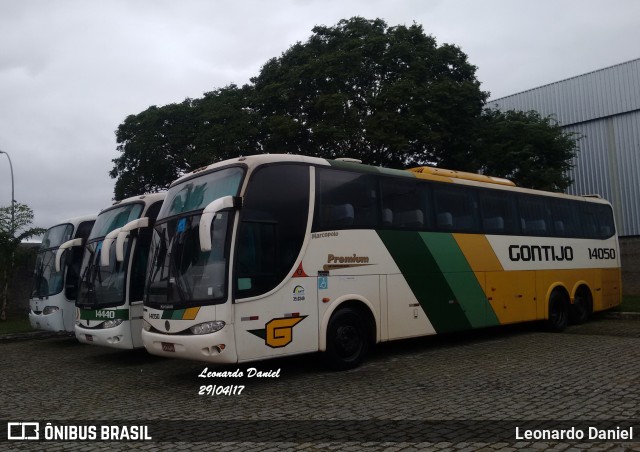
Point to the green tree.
(531, 150)
(386, 95)
(226, 125)
(160, 144)
(156, 146)
(390, 96)
(12, 233)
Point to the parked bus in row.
(274, 255)
(112, 276)
(52, 302)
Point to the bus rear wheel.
(347, 341)
(581, 308)
(558, 312)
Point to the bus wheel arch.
(558, 305)
(582, 306)
(348, 335)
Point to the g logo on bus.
(278, 333)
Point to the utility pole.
(13, 200)
(3, 301)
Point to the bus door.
(276, 308)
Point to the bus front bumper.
(48, 322)
(116, 337)
(218, 347)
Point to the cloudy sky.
(72, 70)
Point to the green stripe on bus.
(173, 314)
(104, 314)
(461, 279)
(427, 282)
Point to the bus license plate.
(89, 337)
(168, 347)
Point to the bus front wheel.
(558, 312)
(347, 341)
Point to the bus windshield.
(105, 286)
(47, 281)
(56, 236)
(196, 194)
(114, 218)
(180, 273)
(102, 286)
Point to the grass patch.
(20, 325)
(630, 303)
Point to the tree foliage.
(531, 150)
(161, 143)
(12, 233)
(387, 95)
(390, 96)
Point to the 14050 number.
(602, 253)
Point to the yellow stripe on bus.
(190, 313)
(479, 253)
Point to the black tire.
(558, 312)
(581, 308)
(347, 340)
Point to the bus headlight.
(50, 310)
(207, 327)
(111, 323)
(146, 325)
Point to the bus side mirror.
(106, 246)
(209, 213)
(124, 232)
(63, 247)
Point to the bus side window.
(565, 218)
(154, 210)
(84, 229)
(455, 209)
(497, 212)
(597, 221)
(606, 223)
(345, 200)
(403, 204)
(589, 221)
(74, 261)
(139, 267)
(534, 216)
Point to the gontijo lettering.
(535, 253)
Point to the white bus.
(274, 255)
(112, 277)
(51, 306)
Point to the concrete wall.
(630, 256)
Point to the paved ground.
(462, 392)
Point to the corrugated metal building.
(604, 108)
